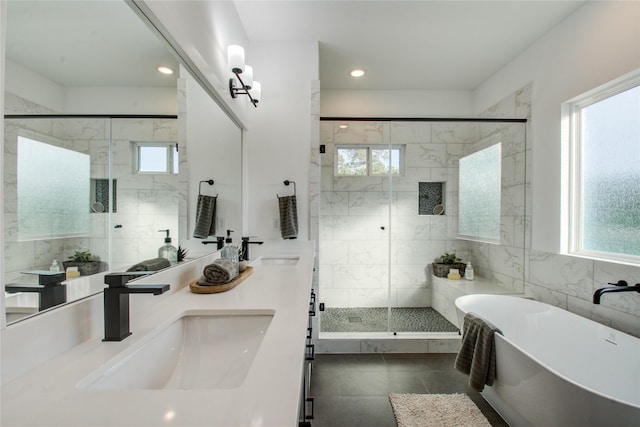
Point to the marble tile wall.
(145, 204)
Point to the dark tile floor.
(353, 389)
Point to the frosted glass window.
(607, 182)
(53, 191)
(479, 195)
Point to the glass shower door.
(354, 228)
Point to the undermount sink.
(279, 260)
(200, 350)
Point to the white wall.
(396, 103)
(599, 42)
(204, 29)
(41, 91)
(278, 141)
(29, 85)
(214, 150)
(121, 100)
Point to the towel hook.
(209, 181)
(287, 182)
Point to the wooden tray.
(214, 289)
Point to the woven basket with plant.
(446, 262)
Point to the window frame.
(369, 147)
(172, 150)
(572, 239)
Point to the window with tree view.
(369, 160)
(605, 179)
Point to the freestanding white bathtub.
(555, 368)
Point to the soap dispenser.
(230, 251)
(167, 250)
(468, 272)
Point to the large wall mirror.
(101, 151)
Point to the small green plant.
(182, 253)
(82, 256)
(449, 258)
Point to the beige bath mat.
(436, 410)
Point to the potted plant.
(182, 253)
(444, 263)
(87, 264)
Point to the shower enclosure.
(391, 204)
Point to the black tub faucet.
(244, 250)
(621, 286)
(116, 302)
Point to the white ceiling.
(437, 45)
(446, 45)
(86, 43)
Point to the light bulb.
(235, 58)
(247, 76)
(256, 91)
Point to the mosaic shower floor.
(359, 319)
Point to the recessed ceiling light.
(343, 126)
(357, 73)
(165, 70)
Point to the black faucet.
(621, 286)
(116, 302)
(219, 242)
(244, 250)
(50, 289)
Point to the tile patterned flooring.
(353, 389)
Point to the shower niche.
(431, 198)
(100, 195)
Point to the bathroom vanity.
(242, 356)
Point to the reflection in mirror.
(69, 68)
(60, 208)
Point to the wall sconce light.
(244, 75)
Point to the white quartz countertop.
(47, 395)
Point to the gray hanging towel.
(288, 217)
(205, 217)
(477, 355)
